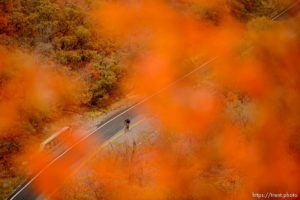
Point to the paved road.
(106, 131)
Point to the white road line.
(130, 108)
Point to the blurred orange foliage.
(264, 71)
(204, 154)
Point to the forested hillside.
(62, 32)
(57, 59)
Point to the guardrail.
(53, 140)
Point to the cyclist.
(127, 124)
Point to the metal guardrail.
(54, 137)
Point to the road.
(107, 130)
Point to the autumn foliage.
(238, 115)
(222, 79)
